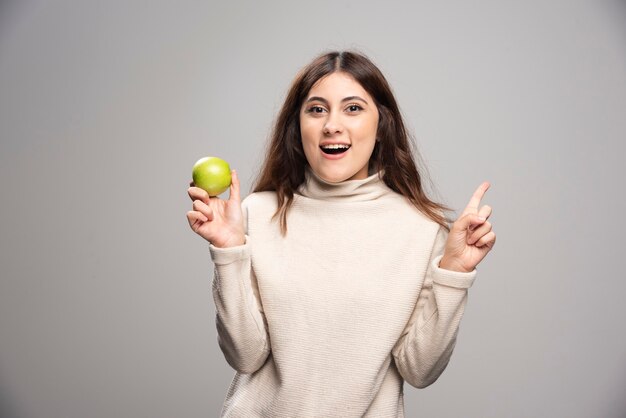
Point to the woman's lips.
(334, 151)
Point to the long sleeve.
(426, 344)
(241, 325)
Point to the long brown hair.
(284, 166)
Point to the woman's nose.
(333, 124)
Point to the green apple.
(211, 174)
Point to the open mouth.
(334, 148)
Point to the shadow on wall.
(619, 7)
(7, 406)
(6, 9)
(6, 6)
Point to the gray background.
(105, 305)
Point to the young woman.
(337, 279)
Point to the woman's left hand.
(471, 237)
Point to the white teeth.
(336, 146)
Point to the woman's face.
(338, 125)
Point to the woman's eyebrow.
(345, 99)
(351, 98)
(317, 99)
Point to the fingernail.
(480, 218)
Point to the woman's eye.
(354, 108)
(316, 109)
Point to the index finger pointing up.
(477, 196)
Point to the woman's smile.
(334, 151)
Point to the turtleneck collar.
(369, 188)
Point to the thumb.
(466, 221)
(234, 187)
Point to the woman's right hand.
(218, 221)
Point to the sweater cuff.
(221, 256)
(451, 278)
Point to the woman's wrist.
(235, 242)
(448, 264)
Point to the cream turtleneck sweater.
(331, 319)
